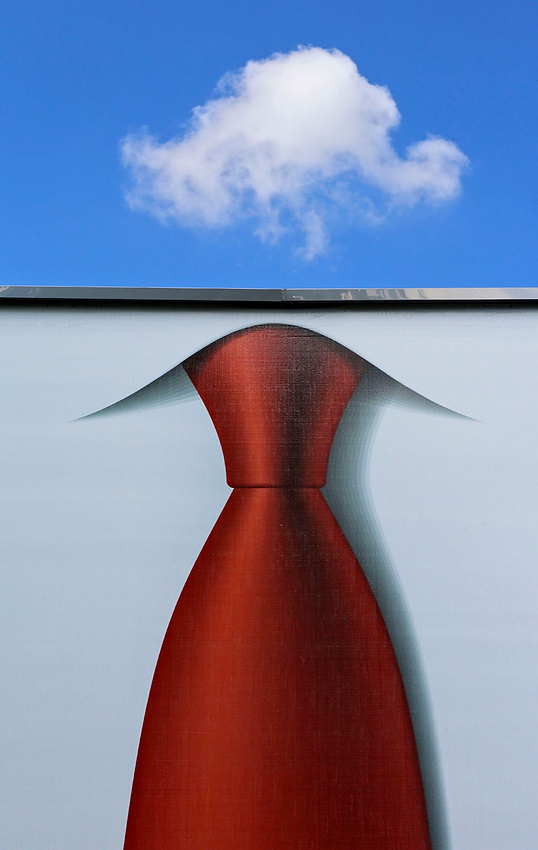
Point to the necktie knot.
(275, 394)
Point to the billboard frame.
(272, 297)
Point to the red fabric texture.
(275, 395)
(277, 717)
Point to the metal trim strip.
(267, 296)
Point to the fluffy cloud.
(286, 141)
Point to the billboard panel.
(345, 646)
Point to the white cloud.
(276, 145)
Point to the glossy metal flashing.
(268, 296)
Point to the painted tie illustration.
(277, 717)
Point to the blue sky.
(81, 77)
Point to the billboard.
(268, 576)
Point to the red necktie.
(277, 717)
